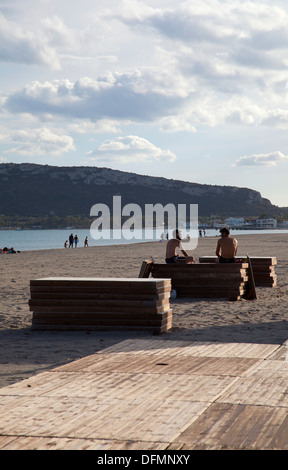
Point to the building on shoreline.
(250, 223)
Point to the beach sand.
(24, 352)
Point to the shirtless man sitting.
(226, 247)
(171, 250)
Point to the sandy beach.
(24, 352)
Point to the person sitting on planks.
(226, 247)
(171, 250)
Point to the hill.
(39, 190)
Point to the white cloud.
(119, 96)
(210, 21)
(36, 142)
(219, 43)
(25, 47)
(268, 159)
(129, 149)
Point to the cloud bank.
(118, 96)
(210, 63)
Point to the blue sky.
(196, 92)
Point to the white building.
(266, 223)
(235, 221)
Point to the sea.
(30, 240)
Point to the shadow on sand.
(25, 352)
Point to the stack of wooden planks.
(101, 304)
(209, 280)
(263, 268)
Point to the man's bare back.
(226, 246)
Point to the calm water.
(22, 240)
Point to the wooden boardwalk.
(153, 394)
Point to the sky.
(194, 91)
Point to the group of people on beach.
(74, 240)
(6, 250)
(226, 248)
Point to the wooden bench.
(209, 280)
(263, 268)
(101, 304)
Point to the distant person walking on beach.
(76, 240)
(71, 240)
(86, 242)
(171, 250)
(226, 247)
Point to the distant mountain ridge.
(29, 189)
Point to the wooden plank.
(93, 306)
(259, 268)
(222, 267)
(156, 321)
(203, 290)
(255, 260)
(147, 299)
(59, 318)
(209, 295)
(72, 315)
(104, 285)
(209, 283)
(264, 277)
(110, 282)
(250, 293)
(81, 311)
(158, 324)
(151, 300)
(145, 268)
(101, 322)
(116, 291)
(155, 330)
(103, 294)
(226, 426)
(213, 276)
(268, 284)
(263, 261)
